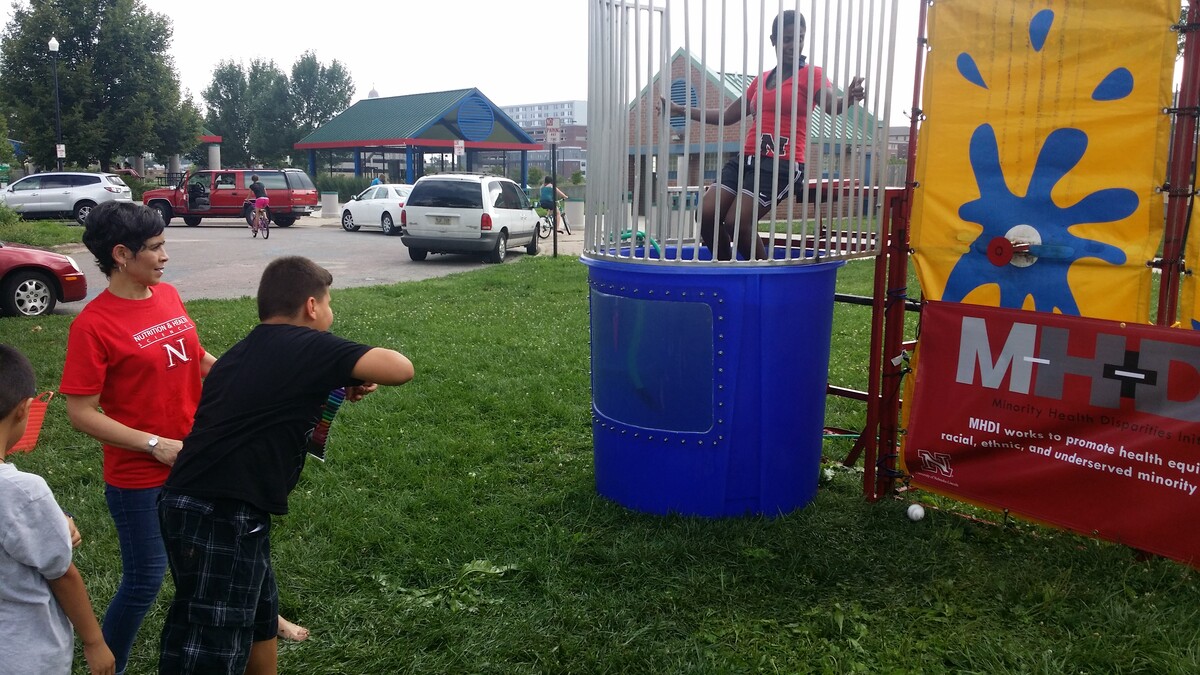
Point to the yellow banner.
(1189, 298)
(1041, 153)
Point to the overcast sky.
(416, 46)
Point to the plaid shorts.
(225, 593)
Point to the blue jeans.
(143, 564)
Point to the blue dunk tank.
(709, 376)
(708, 385)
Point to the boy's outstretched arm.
(383, 366)
(72, 596)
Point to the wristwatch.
(151, 444)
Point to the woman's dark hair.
(254, 178)
(786, 17)
(113, 223)
(547, 180)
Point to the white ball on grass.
(916, 512)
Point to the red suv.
(222, 193)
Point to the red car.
(222, 193)
(33, 280)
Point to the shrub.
(138, 186)
(345, 185)
(8, 217)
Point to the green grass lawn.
(45, 233)
(456, 529)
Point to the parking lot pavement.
(568, 244)
(219, 259)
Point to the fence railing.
(169, 179)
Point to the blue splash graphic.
(1039, 28)
(1195, 324)
(998, 210)
(968, 69)
(1116, 85)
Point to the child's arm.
(206, 363)
(73, 597)
(383, 366)
(76, 538)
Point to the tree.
(228, 116)
(318, 92)
(178, 131)
(260, 114)
(117, 87)
(577, 178)
(7, 156)
(272, 119)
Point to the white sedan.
(376, 207)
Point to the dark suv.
(222, 193)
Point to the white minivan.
(467, 213)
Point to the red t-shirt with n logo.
(143, 358)
(771, 134)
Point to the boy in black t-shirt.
(260, 403)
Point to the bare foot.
(290, 631)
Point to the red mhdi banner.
(1087, 424)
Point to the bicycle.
(546, 219)
(259, 221)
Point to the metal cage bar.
(654, 176)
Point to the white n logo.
(936, 462)
(173, 353)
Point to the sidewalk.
(568, 244)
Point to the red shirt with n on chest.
(143, 358)
(771, 135)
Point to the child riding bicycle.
(546, 198)
(260, 199)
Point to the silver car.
(64, 192)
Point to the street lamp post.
(57, 116)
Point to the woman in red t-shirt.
(770, 136)
(132, 381)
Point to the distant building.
(530, 115)
(898, 142)
(573, 135)
(572, 118)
